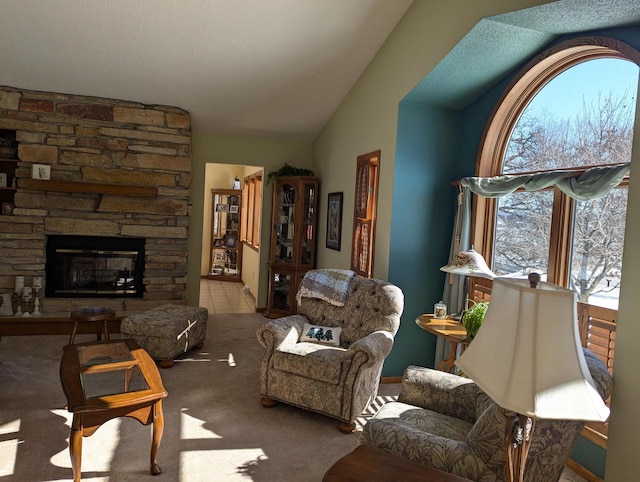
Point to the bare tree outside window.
(598, 133)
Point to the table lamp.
(468, 263)
(527, 357)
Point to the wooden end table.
(451, 330)
(369, 464)
(95, 314)
(103, 380)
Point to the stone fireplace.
(98, 266)
(118, 169)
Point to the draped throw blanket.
(330, 285)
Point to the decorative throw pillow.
(328, 335)
(5, 304)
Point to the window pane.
(582, 117)
(523, 228)
(598, 239)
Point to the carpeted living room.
(119, 120)
(215, 427)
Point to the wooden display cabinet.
(293, 240)
(226, 249)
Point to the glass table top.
(109, 369)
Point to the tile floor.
(225, 297)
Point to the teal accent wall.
(421, 223)
(434, 147)
(591, 456)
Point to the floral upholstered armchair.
(328, 358)
(447, 422)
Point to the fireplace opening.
(94, 266)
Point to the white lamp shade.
(469, 263)
(527, 355)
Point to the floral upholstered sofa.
(338, 375)
(447, 422)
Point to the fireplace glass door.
(107, 267)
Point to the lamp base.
(517, 440)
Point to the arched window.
(536, 127)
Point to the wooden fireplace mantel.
(89, 188)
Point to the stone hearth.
(118, 168)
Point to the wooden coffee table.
(109, 379)
(369, 464)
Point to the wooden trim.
(513, 101)
(88, 188)
(366, 216)
(528, 82)
(384, 380)
(582, 472)
(560, 238)
(594, 436)
(249, 245)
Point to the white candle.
(37, 282)
(19, 284)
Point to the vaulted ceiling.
(272, 68)
(276, 67)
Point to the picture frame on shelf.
(334, 220)
(218, 243)
(233, 208)
(222, 208)
(230, 240)
(7, 209)
(3, 179)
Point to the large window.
(571, 108)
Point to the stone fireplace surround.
(118, 168)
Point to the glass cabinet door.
(282, 296)
(308, 241)
(285, 225)
(293, 240)
(226, 251)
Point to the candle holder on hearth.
(37, 286)
(19, 286)
(27, 296)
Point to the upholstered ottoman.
(167, 331)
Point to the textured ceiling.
(261, 67)
(496, 45)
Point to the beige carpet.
(215, 427)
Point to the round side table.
(95, 314)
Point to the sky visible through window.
(563, 97)
(566, 95)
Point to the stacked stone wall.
(106, 142)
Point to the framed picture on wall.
(334, 220)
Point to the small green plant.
(473, 318)
(288, 170)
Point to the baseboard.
(391, 380)
(582, 472)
